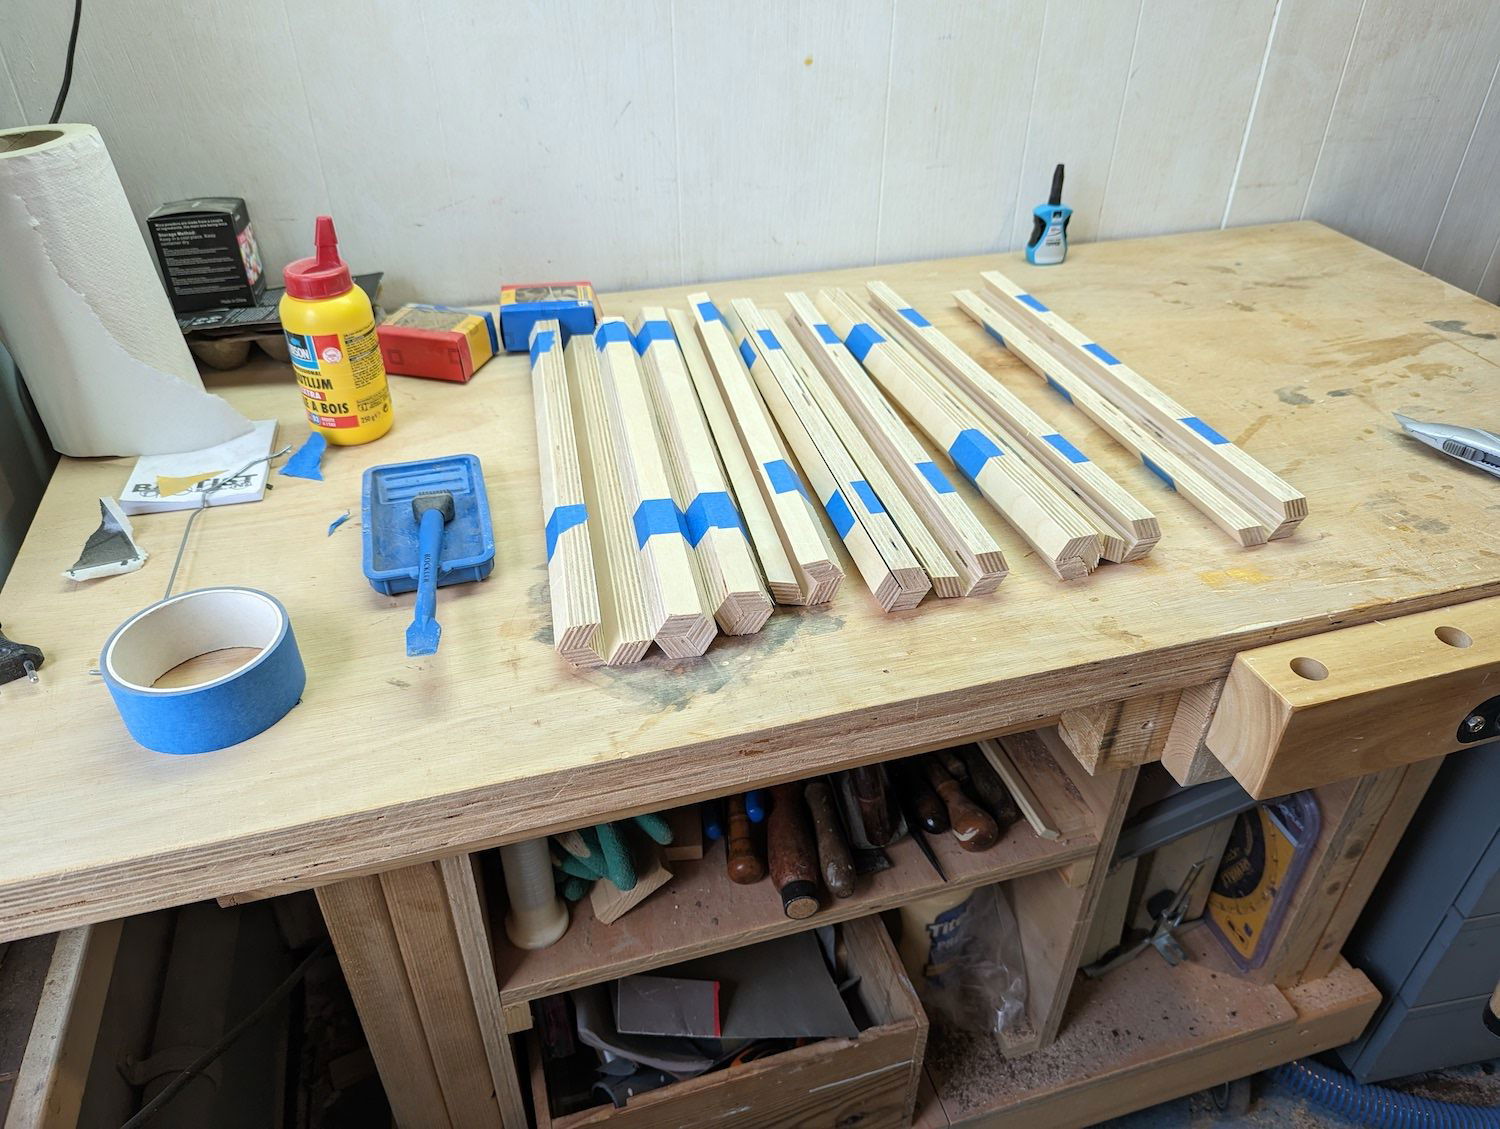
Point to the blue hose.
(1378, 1106)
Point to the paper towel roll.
(83, 312)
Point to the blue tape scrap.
(307, 460)
(613, 333)
(868, 496)
(338, 521)
(655, 330)
(784, 479)
(1161, 474)
(971, 450)
(825, 331)
(1059, 389)
(915, 318)
(657, 515)
(862, 338)
(709, 312)
(1028, 300)
(768, 339)
(542, 342)
(1072, 453)
(747, 353)
(840, 513)
(936, 478)
(562, 519)
(1202, 430)
(993, 333)
(713, 509)
(1101, 352)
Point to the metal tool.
(1048, 244)
(431, 511)
(1161, 938)
(1469, 445)
(19, 660)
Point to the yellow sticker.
(167, 485)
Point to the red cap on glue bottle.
(325, 275)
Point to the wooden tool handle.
(918, 799)
(874, 811)
(989, 789)
(834, 860)
(953, 763)
(972, 826)
(743, 864)
(792, 855)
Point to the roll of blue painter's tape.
(219, 711)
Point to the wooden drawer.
(870, 1081)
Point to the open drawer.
(870, 1081)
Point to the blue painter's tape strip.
(613, 333)
(862, 338)
(711, 510)
(1028, 300)
(971, 450)
(1059, 389)
(868, 496)
(784, 479)
(709, 312)
(1203, 431)
(338, 521)
(562, 519)
(655, 330)
(1072, 453)
(937, 479)
(747, 353)
(1161, 474)
(768, 339)
(915, 318)
(825, 331)
(199, 719)
(1101, 352)
(840, 513)
(307, 460)
(542, 343)
(994, 333)
(657, 515)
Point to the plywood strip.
(571, 579)
(817, 571)
(1065, 541)
(970, 548)
(675, 596)
(1132, 529)
(731, 577)
(1179, 475)
(1278, 504)
(893, 574)
(774, 565)
(626, 626)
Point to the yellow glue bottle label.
(343, 383)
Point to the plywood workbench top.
(1292, 340)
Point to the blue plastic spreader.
(462, 547)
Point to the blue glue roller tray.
(390, 530)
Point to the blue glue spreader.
(390, 532)
(1048, 244)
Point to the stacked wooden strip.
(1128, 529)
(814, 566)
(570, 553)
(626, 624)
(1276, 505)
(1049, 521)
(837, 381)
(731, 577)
(859, 517)
(1177, 473)
(675, 599)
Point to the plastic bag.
(966, 962)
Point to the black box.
(207, 253)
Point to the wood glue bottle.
(330, 331)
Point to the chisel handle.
(972, 826)
(743, 864)
(791, 852)
(920, 802)
(989, 789)
(834, 860)
(868, 783)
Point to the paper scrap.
(110, 549)
(307, 462)
(176, 482)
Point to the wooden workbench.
(1292, 340)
